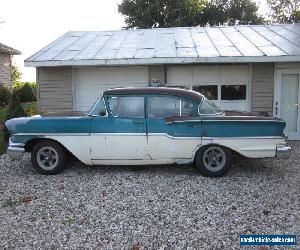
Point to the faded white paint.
(139, 149)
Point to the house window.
(233, 92)
(127, 106)
(209, 91)
(163, 106)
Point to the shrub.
(15, 110)
(5, 96)
(26, 91)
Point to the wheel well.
(30, 144)
(234, 153)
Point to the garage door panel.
(214, 75)
(91, 82)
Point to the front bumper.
(283, 152)
(15, 150)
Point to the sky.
(32, 24)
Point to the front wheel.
(48, 157)
(213, 160)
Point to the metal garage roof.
(251, 43)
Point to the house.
(6, 54)
(250, 68)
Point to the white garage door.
(90, 82)
(226, 85)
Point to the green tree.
(160, 13)
(231, 12)
(15, 110)
(179, 13)
(15, 74)
(284, 11)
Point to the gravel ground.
(146, 207)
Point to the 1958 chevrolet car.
(145, 126)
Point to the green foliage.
(15, 110)
(15, 74)
(26, 91)
(30, 108)
(69, 220)
(285, 11)
(179, 13)
(218, 12)
(160, 13)
(5, 96)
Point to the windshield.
(208, 108)
(98, 109)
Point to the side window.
(163, 106)
(98, 109)
(127, 106)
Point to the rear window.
(161, 107)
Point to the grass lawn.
(29, 107)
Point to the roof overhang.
(155, 61)
(9, 50)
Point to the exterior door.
(120, 138)
(171, 142)
(287, 101)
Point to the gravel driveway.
(146, 207)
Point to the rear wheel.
(213, 160)
(48, 157)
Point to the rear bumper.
(15, 150)
(283, 152)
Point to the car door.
(120, 138)
(170, 142)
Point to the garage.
(91, 81)
(247, 68)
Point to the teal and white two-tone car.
(146, 126)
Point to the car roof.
(188, 94)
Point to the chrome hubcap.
(47, 158)
(214, 159)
